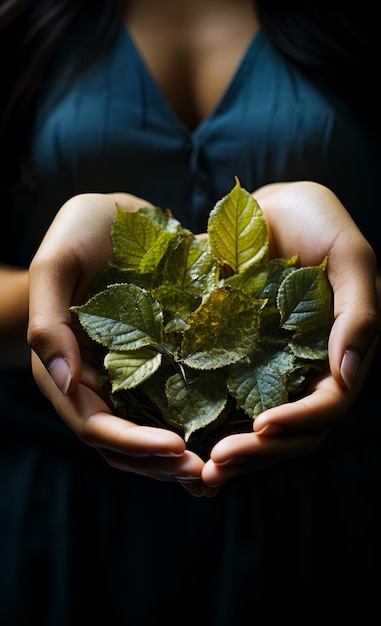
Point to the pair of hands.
(304, 218)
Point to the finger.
(324, 404)
(248, 453)
(88, 415)
(354, 335)
(49, 331)
(185, 469)
(291, 427)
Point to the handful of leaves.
(200, 335)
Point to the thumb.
(355, 333)
(50, 334)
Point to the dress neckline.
(235, 80)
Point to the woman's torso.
(114, 129)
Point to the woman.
(164, 103)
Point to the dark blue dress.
(80, 541)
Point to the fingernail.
(349, 367)
(60, 373)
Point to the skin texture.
(70, 255)
(191, 49)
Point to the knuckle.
(38, 337)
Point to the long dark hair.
(334, 42)
(327, 39)
(31, 34)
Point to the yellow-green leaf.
(223, 329)
(139, 241)
(237, 230)
(190, 266)
(131, 368)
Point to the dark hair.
(333, 42)
(31, 35)
(330, 41)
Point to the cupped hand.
(308, 219)
(76, 247)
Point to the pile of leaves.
(201, 334)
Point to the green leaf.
(252, 280)
(139, 242)
(304, 300)
(190, 273)
(237, 230)
(131, 368)
(174, 299)
(257, 388)
(223, 329)
(175, 324)
(196, 402)
(261, 381)
(113, 274)
(154, 390)
(191, 267)
(123, 317)
(163, 217)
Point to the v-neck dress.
(114, 130)
(85, 541)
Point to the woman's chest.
(192, 50)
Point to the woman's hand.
(76, 247)
(308, 219)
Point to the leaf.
(175, 324)
(174, 299)
(139, 242)
(257, 388)
(237, 230)
(252, 280)
(196, 402)
(154, 390)
(190, 273)
(163, 217)
(304, 300)
(191, 267)
(113, 274)
(261, 381)
(122, 317)
(223, 329)
(316, 348)
(131, 368)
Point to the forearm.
(14, 351)
(14, 299)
